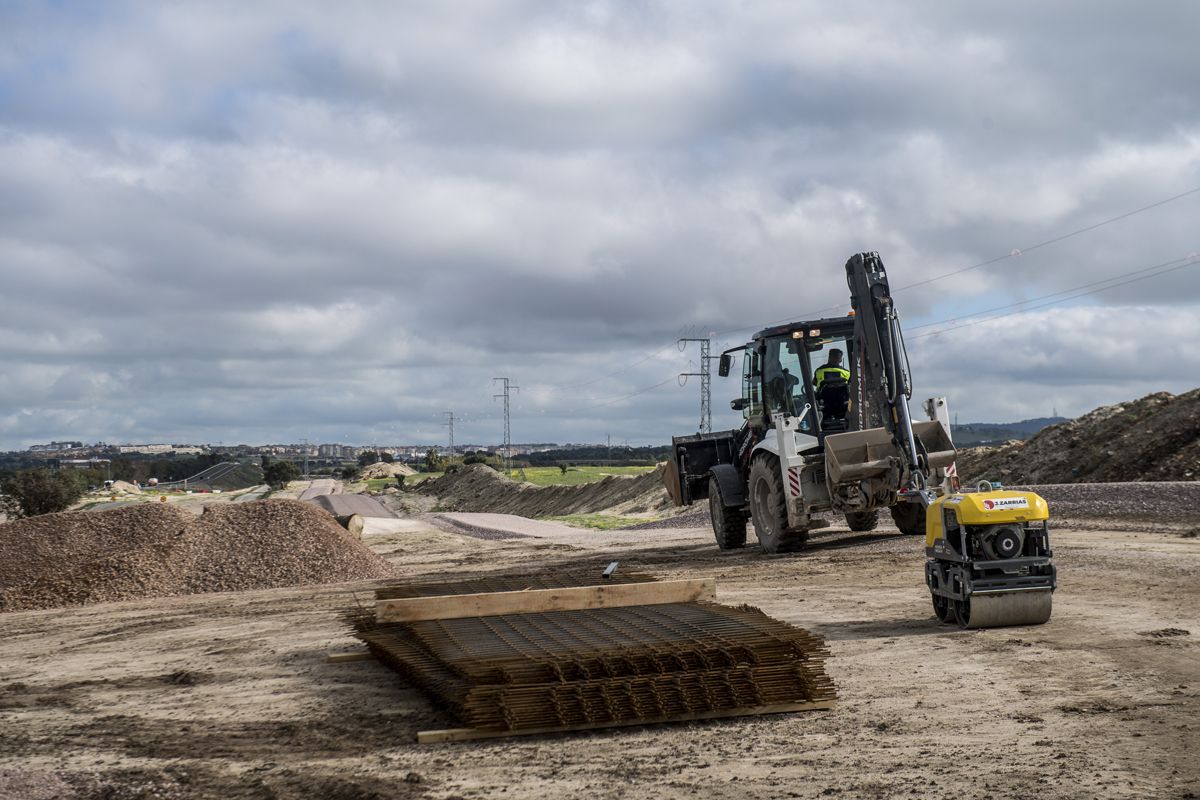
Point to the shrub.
(31, 492)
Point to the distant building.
(55, 446)
(160, 449)
(83, 463)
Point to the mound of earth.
(125, 486)
(480, 488)
(382, 470)
(157, 550)
(1156, 438)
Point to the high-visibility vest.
(830, 371)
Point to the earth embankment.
(480, 488)
(1156, 438)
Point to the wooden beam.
(350, 654)
(534, 601)
(467, 734)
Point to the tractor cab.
(789, 368)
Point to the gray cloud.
(258, 222)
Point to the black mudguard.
(733, 488)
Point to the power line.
(1018, 252)
(1015, 253)
(1055, 294)
(613, 400)
(626, 368)
(449, 423)
(1188, 262)
(839, 307)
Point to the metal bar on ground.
(465, 734)
(413, 609)
(350, 654)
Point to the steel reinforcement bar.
(599, 666)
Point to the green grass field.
(539, 476)
(575, 476)
(603, 522)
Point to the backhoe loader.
(841, 440)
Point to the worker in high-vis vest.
(831, 369)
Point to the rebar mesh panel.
(611, 642)
(596, 666)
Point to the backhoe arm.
(884, 362)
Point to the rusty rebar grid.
(596, 666)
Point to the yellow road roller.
(989, 559)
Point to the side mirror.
(739, 404)
(724, 365)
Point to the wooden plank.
(354, 654)
(467, 734)
(533, 601)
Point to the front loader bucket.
(855, 456)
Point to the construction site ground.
(231, 696)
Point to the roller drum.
(1004, 609)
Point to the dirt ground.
(230, 695)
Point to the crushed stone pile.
(1151, 503)
(124, 486)
(1156, 438)
(382, 470)
(157, 550)
(480, 488)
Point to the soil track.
(229, 695)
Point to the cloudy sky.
(264, 222)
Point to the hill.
(979, 433)
(1155, 438)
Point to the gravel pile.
(695, 517)
(155, 550)
(1168, 501)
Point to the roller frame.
(941, 577)
(950, 575)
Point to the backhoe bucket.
(935, 440)
(858, 455)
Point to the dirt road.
(230, 695)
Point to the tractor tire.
(862, 521)
(768, 509)
(909, 518)
(728, 522)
